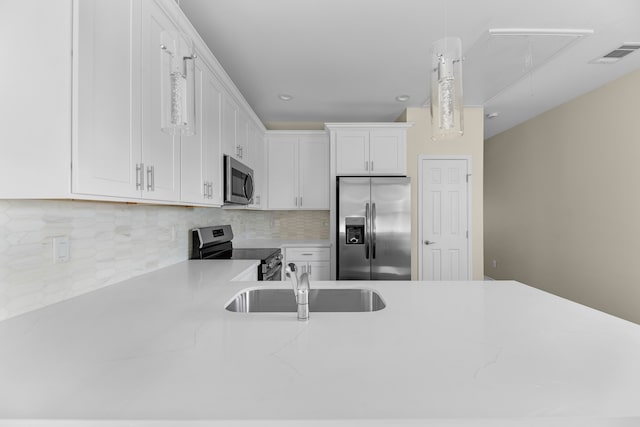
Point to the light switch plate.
(60, 249)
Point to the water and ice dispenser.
(355, 230)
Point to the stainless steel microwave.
(238, 182)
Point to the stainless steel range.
(215, 243)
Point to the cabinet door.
(242, 140)
(211, 131)
(283, 172)
(106, 144)
(319, 270)
(314, 172)
(258, 163)
(200, 152)
(160, 150)
(387, 152)
(229, 125)
(193, 188)
(352, 153)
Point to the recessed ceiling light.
(402, 98)
(285, 97)
(492, 115)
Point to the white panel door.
(352, 153)
(444, 220)
(387, 152)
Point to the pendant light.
(447, 109)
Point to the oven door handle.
(274, 271)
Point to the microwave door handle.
(248, 187)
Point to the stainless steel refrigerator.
(374, 228)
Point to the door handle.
(373, 230)
(429, 242)
(366, 231)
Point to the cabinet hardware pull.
(205, 190)
(295, 201)
(150, 179)
(371, 165)
(366, 165)
(139, 176)
(210, 190)
(300, 201)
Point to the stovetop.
(262, 254)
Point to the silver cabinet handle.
(371, 165)
(429, 242)
(205, 191)
(309, 268)
(366, 165)
(295, 201)
(300, 201)
(139, 176)
(149, 178)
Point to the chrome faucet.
(300, 290)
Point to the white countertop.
(281, 243)
(160, 349)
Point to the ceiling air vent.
(617, 54)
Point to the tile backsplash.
(111, 242)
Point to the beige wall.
(471, 143)
(562, 200)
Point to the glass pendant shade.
(446, 89)
(178, 85)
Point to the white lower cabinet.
(313, 260)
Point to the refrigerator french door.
(374, 228)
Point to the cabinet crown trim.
(369, 125)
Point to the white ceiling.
(347, 60)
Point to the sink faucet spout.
(300, 290)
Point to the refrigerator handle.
(366, 231)
(373, 231)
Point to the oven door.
(238, 182)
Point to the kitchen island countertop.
(160, 349)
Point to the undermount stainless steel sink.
(320, 300)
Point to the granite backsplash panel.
(111, 242)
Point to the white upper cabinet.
(313, 171)
(370, 149)
(298, 170)
(160, 150)
(105, 126)
(200, 153)
(106, 112)
(229, 126)
(257, 149)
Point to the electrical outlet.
(60, 249)
(494, 263)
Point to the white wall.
(111, 242)
(562, 200)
